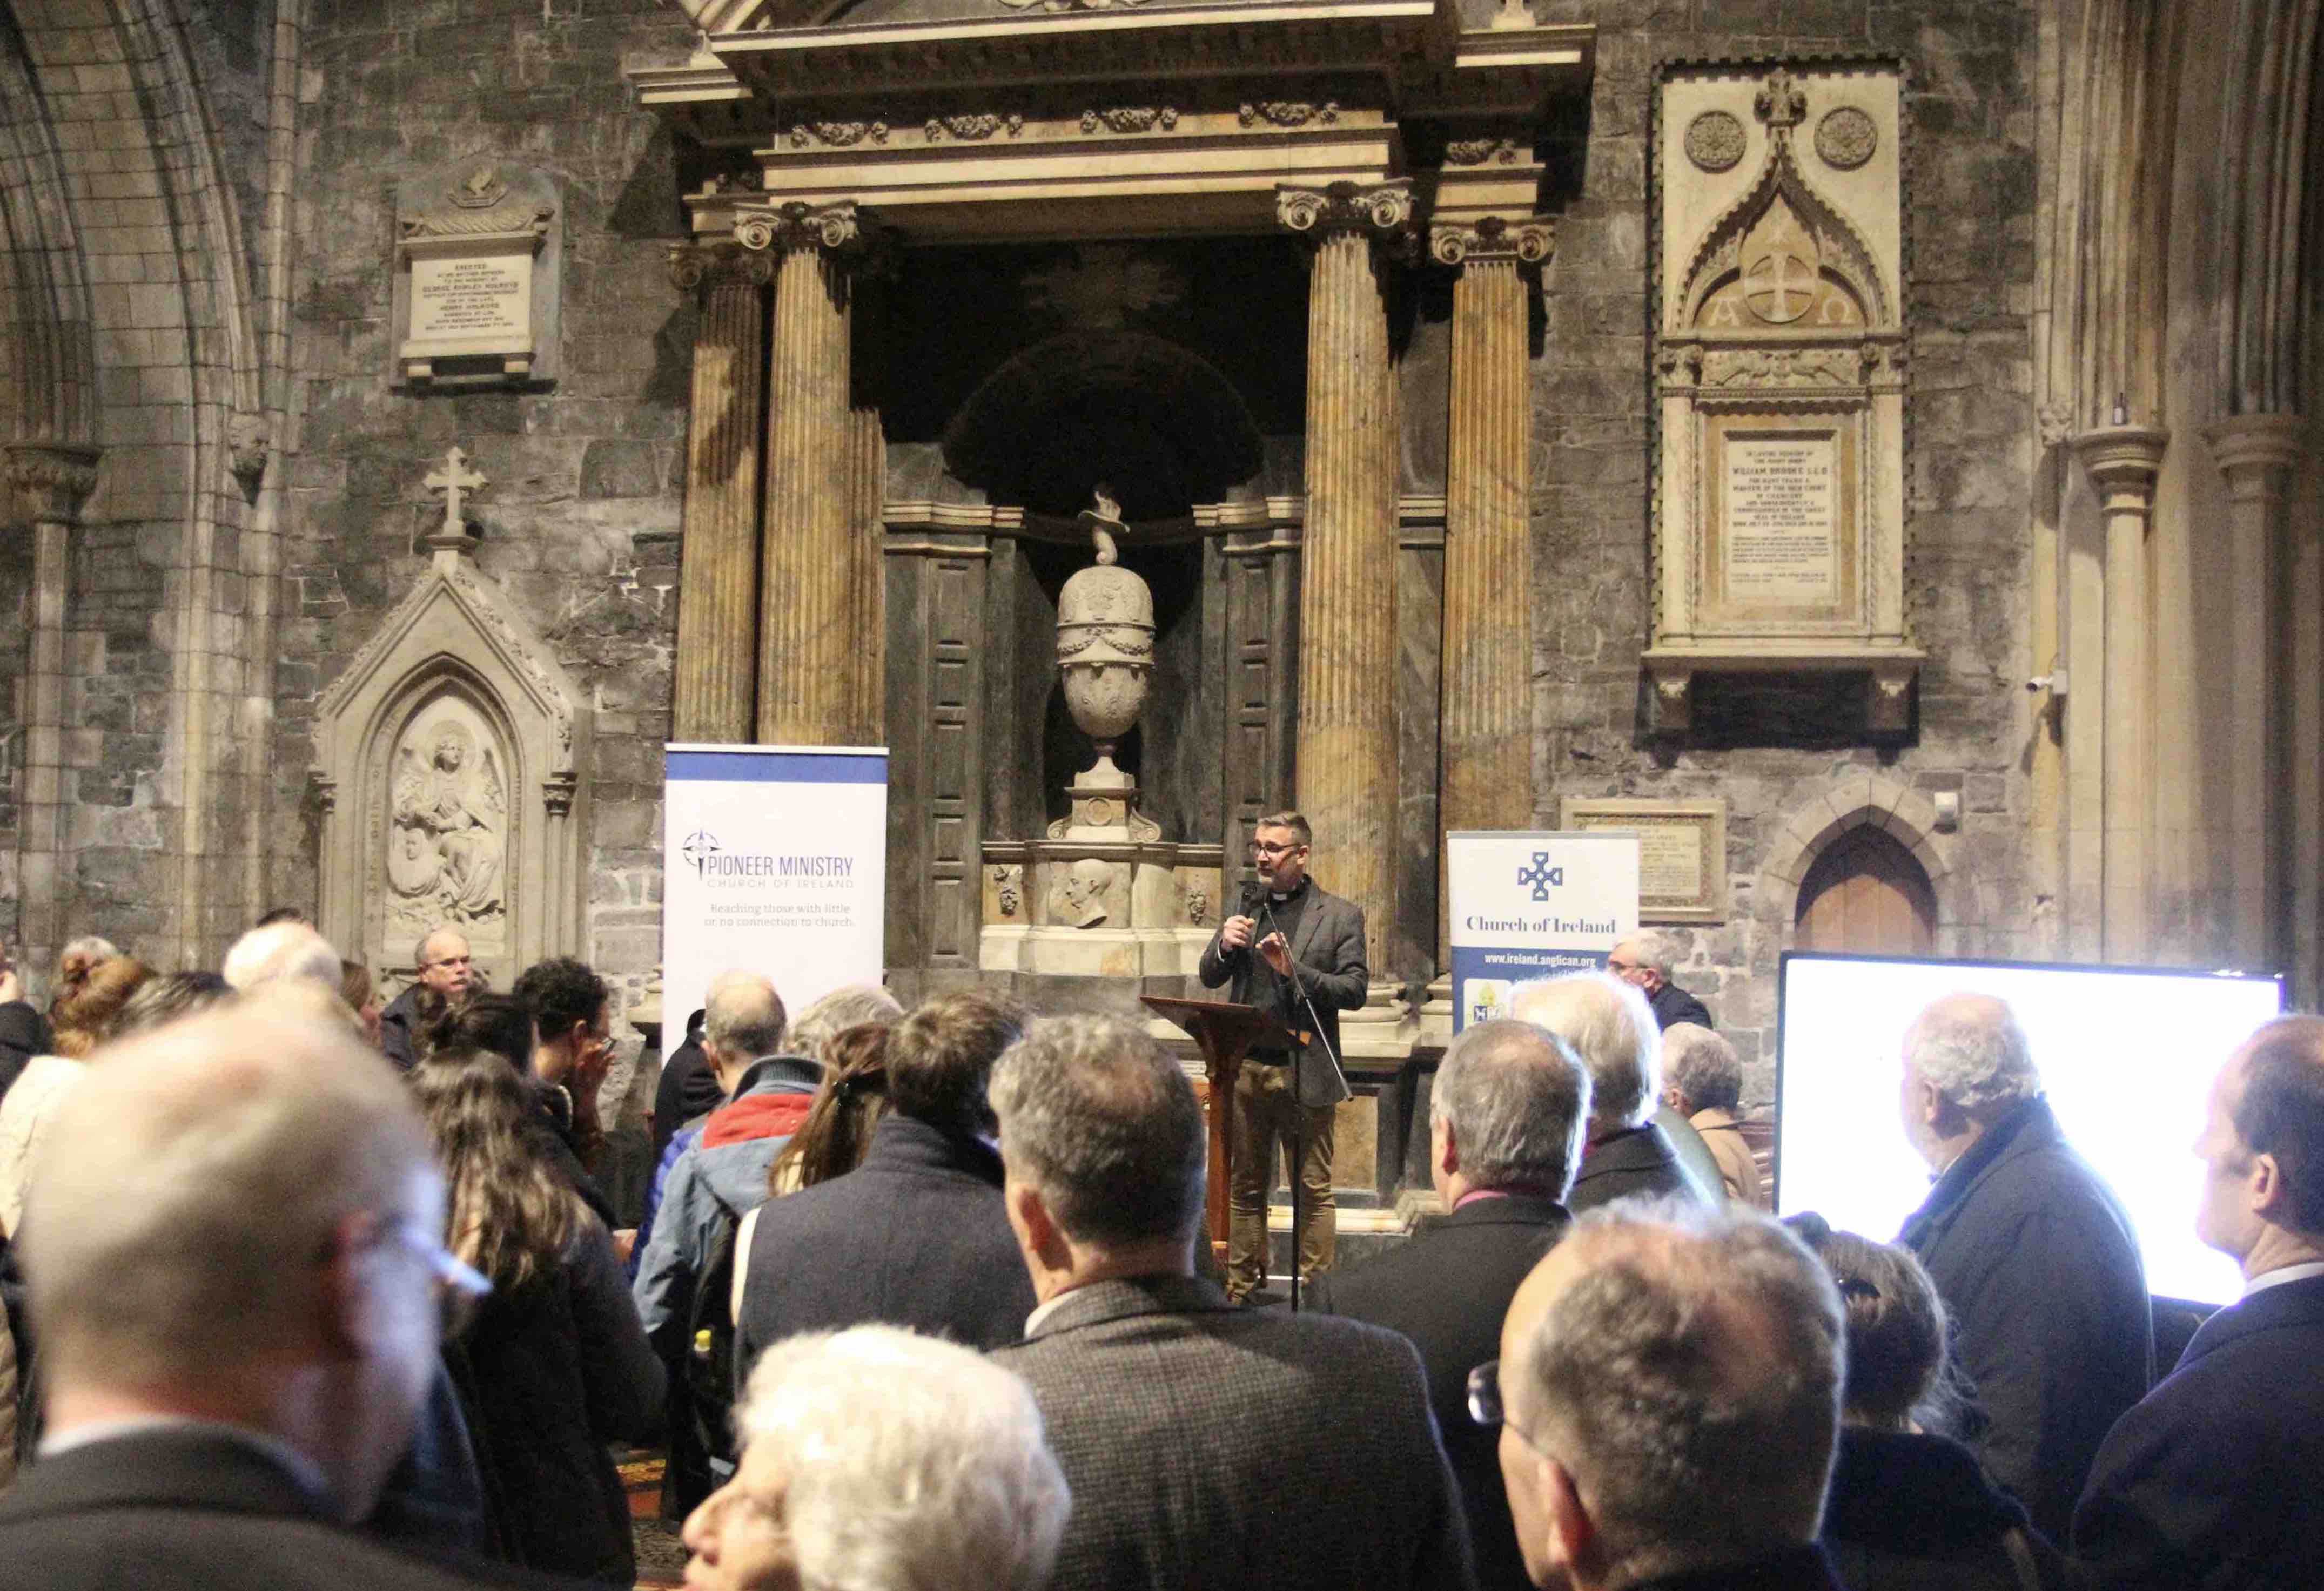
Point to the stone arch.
(1880, 801)
(51, 394)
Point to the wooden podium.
(1224, 1033)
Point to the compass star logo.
(699, 848)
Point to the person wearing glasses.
(447, 975)
(239, 1282)
(1294, 947)
(1669, 1398)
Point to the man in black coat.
(688, 1089)
(2032, 1255)
(1305, 938)
(916, 1235)
(2208, 1484)
(1645, 961)
(217, 1422)
(1505, 1131)
(1608, 1023)
(447, 974)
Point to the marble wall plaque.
(490, 298)
(1782, 518)
(478, 253)
(1682, 852)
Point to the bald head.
(281, 950)
(742, 1019)
(1651, 1346)
(1612, 1029)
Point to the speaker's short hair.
(1295, 822)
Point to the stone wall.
(1778, 749)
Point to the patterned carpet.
(661, 1556)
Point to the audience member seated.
(686, 1091)
(1910, 1510)
(2210, 1482)
(357, 988)
(83, 1021)
(1505, 1133)
(879, 1460)
(1702, 1081)
(2030, 1251)
(557, 1364)
(235, 1275)
(448, 976)
(1608, 1023)
(1668, 1393)
(280, 951)
(1207, 1446)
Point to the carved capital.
(695, 266)
(1381, 212)
(52, 481)
(2123, 462)
(796, 224)
(1526, 241)
(2256, 452)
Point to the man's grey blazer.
(1327, 950)
(1215, 1448)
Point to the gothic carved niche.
(447, 817)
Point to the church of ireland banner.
(775, 861)
(1530, 904)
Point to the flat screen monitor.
(2126, 1056)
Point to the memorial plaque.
(477, 255)
(489, 298)
(1682, 852)
(1782, 518)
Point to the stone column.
(52, 482)
(2276, 732)
(867, 459)
(808, 652)
(715, 693)
(1346, 767)
(2123, 462)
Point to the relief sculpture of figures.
(450, 829)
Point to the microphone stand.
(1299, 1106)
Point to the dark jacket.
(560, 1369)
(193, 1511)
(1211, 1447)
(23, 1033)
(2040, 1271)
(1639, 1160)
(2209, 1485)
(688, 1089)
(1672, 1005)
(1914, 1512)
(917, 1235)
(399, 1026)
(1796, 1569)
(1327, 953)
(1447, 1289)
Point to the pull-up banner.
(1530, 904)
(774, 860)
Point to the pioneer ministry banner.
(775, 860)
(1529, 904)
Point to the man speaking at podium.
(1306, 939)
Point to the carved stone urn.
(1106, 645)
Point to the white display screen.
(2127, 1057)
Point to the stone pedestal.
(717, 662)
(2123, 462)
(808, 652)
(1347, 576)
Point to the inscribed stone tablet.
(490, 297)
(1782, 519)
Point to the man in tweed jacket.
(1206, 1446)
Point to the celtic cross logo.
(699, 848)
(1541, 875)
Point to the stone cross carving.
(453, 479)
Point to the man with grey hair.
(1608, 1023)
(1207, 1446)
(1645, 961)
(1669, 1398)
(448, 976)
(2032, 1255)
(1505, 1120)
(892, 1461)
(1703, 1083)
(280, 951)
(234, 1246)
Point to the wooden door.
(1866, 895)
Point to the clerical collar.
(2282, 1275)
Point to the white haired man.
(1505, 1120)
(1208, 1447)
(448, 971)
(279, 952)
(234, 1246)
(1669, 1398)
(1609, 1026)
(1645, 961)
(2196, 1486)
(2032, 1253)
(881, 1460)
(1703, 1082)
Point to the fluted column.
(807, 609)
(1486, 685)
(868, 576)
(52, 482)
(2123, 462)
(1346, 767)
(717, 663)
